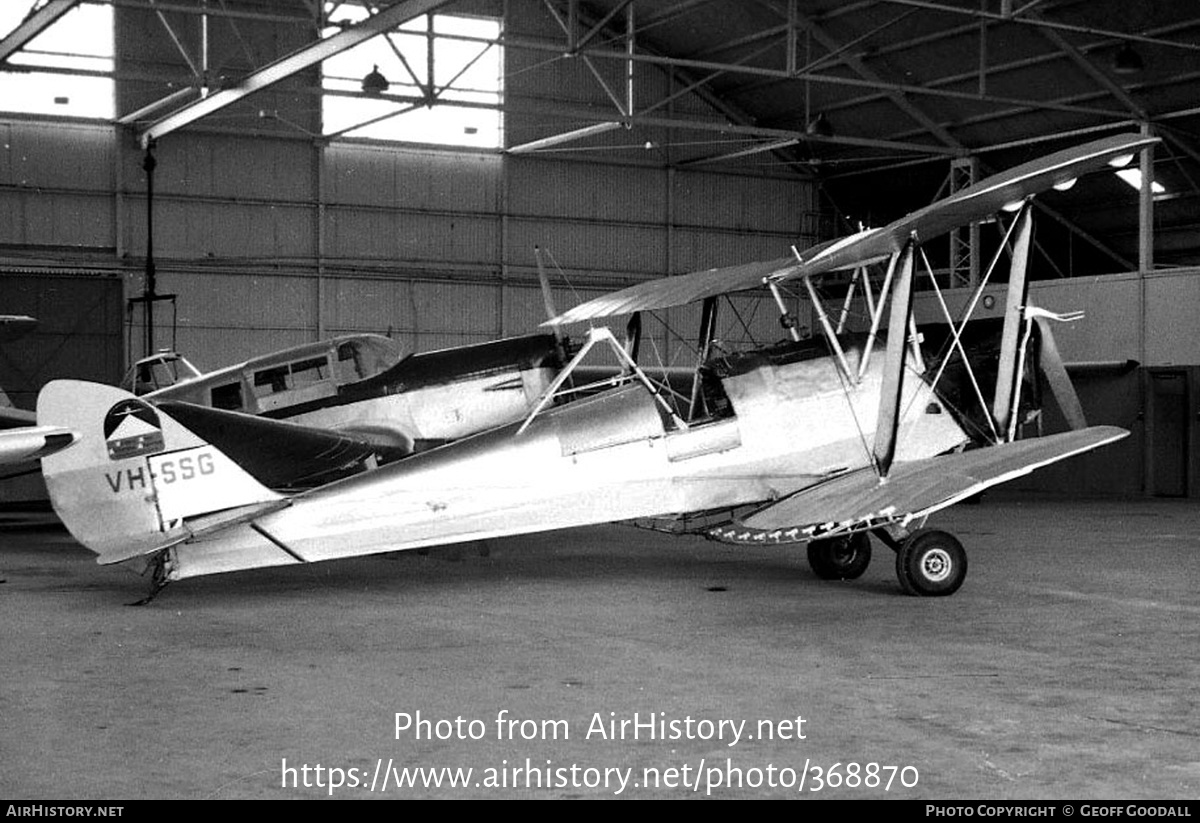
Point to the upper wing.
(675, 291)
(972, 203)
(277, 454)
(33, 443)
(913, 489)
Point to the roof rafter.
(304, 58)
(950, 33)
(33, 25)
(1042, 22)
(860, 68)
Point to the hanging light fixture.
(374, 82)
(1127, 60)
(819, 126)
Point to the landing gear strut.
(158, 580)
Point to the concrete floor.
(1066, 667)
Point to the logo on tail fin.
(132, 428)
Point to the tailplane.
(137, 481)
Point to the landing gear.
(158, 579)
(931, 563)
(840, 558)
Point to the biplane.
(825, 442)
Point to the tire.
(840, 558)
(931, 563)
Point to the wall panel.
(598, 191)
(1173, 306)
(698, 249)
(1110, 328)
(65, 219)
(749, 203)
(396, 177)
(467, 309)
(375, 305)
(200, 230)
(523, 308)
(210, 300)
(591, 249)
(58, 155)
(206, 165)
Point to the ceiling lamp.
(1133, 177)
(374, 82)
(1127, 61)
(819, 126)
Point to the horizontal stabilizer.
(276, 453)
(860, 500)
(972, 203)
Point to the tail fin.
(136, 476)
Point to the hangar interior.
(247, 175)
(232, 177)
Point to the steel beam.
(34, 25)
(859, 67)
(307, 57)
(566, 137)
(1034, 20)
(816, 77)
(1146, 209)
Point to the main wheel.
(840, 558)
(931, 563)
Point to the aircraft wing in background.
(33, 443)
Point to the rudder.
(136, 476)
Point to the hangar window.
(66, 68)
(436, 79)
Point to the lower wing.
(861, 500)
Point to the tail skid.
(138, 481)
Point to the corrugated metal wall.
(271, 241)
